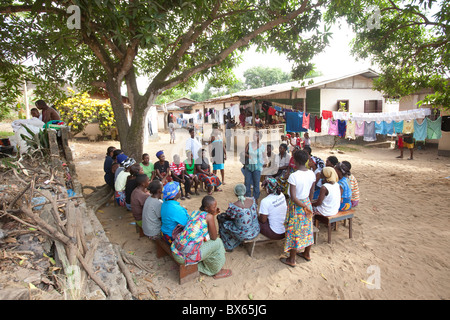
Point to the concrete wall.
(356, 98)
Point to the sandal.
(300, 254)
(224, 273)
(188, 196)
(284, 260)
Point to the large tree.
(173, 43)
(263, 76)
(408, 40)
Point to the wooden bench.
(341, 216)
(186, 273)
(260, 238)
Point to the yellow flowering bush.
(79, 110)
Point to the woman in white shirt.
(329, 200)
(272, 211)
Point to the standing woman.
(107, 167)
(299, 228)
(162, 168)
(254, 152)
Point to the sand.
(400, 238)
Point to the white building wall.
(356, 98)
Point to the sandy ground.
(400, 235)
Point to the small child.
(307, 140)
(151, 212)
(354, 186)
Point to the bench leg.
(329, 232)
(350, 226)
(188, 273)
(160, 251)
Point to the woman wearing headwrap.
(162, 168)
(343, 172)
(198, 242)
(172, 213)
(240, 221)
(272, 210)
(329, 200)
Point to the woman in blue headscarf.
(172, 213)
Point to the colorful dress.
(238, 224)
(192, 245)
(346, 200)
(210, 181)
(299, 229)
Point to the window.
(342, 105)
(373, 106)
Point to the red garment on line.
(306, 119)
(326, 114)
(318, 125)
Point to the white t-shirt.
(303, 180)
(331, 202)
(283, 162)
(275, 207)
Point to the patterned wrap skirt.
(210, 181)
(299, 228)
(120, 198)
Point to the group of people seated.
(302, 185)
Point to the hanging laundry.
(305, 121)
(318, 125)
(294, 122)
(326, 114)
(388, 127)
(369, 131)
(398, 126)
(325, 125)
(312, 123)
(359, 128)
(333, 128)
(379, 127)
(420, 130)
(342, 126)
(408, 126)
(350, 131)
(434, 128)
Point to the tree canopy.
(261, 76)
(172, 42)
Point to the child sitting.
(354, 185)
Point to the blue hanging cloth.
(294, 121)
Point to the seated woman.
(199, 243)
(131, 183)
(107, 166)
(172, 213)
(343, 173)
(354, 185)
(151, 212)
(162, 168)
(240, 221)
(178, 173)
(282, 160)
(121, 181)
(272, 211)
(329, 199)
(138, 198)
(189, 164)
(203, 171)
(148, 166)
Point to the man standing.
(192, 144)
(48, 113)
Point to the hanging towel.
(420, 130)
(342, 126)
(379, 127)
(318, 125)
(389, 127)
(333, 128)
(325, 125)
(369, 131)
(398, 126)
(326, 114)
(408, 126)
(350, 132)
(359, 129)
(434, 128)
